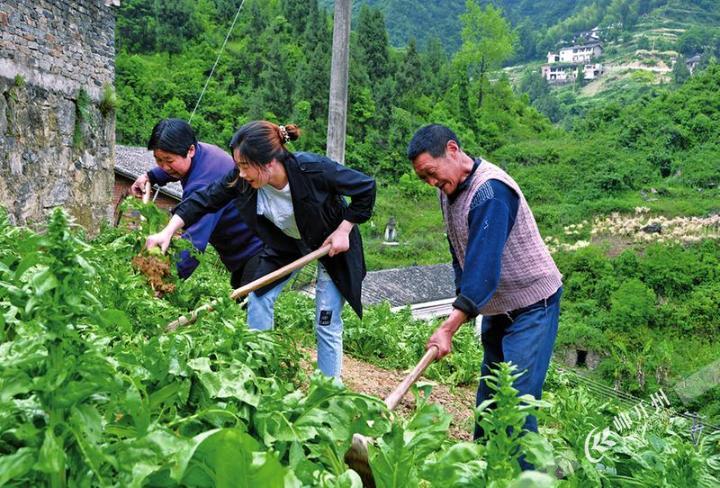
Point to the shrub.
(632, 305)
(700, 168)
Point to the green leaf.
(460, 465)
(349, 479)
(165, 393)
(538, 451)
(533, 479)
(52, 456)
(87, 427)
(232, 381)
(393, 465)
(232, 458)
(115, 319)
(28, 261)
(44, 281)
(16, 465)
(14, 384)
(160, 453)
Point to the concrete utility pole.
(337, 108)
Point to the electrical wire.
(227, 36)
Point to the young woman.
(294, 203)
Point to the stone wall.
(56, 144)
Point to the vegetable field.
(93, 392)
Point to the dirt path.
(366, 378)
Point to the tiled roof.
(578, 46)
(131, 162)
(407, 286)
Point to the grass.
(420, 230)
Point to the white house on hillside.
(576, 54)
(565, 73)
(562, 66)
(559, 73)
(592, 71)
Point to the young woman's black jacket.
(317, 185)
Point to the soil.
(369, 379)
(156, 269)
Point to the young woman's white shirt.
(276, 206)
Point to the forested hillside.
(96, 390)
(276, 66)
(540, 25)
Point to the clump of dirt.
(157, 272)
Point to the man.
(179, 156)
(502, 268)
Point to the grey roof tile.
(407, 286)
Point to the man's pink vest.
(528, 273)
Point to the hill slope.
(541, 24)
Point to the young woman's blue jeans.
(526, 338)
(328, 321)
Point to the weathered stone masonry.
(56, 145)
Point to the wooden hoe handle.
(252, 286)
(279, 273)
(394, 398)
(146, 193)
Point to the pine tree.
(298, 13)
(313, 82)
(373, 41)
(434, 61)
(176, 24)
(275, 83)
(410, 76)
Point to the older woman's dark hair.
(260, 141)
(172, 135)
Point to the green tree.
(176, 24)
(694, 40)
(487, 42)
(527, 38)
(298, 13)
(534, 85)
(317, 32)
(312, 85)
(276, 85)
(435, 61)
(373, 42)
(135, 27)
(409, 78)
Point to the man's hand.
(442, 337)
(138, 187)
(339, 240)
